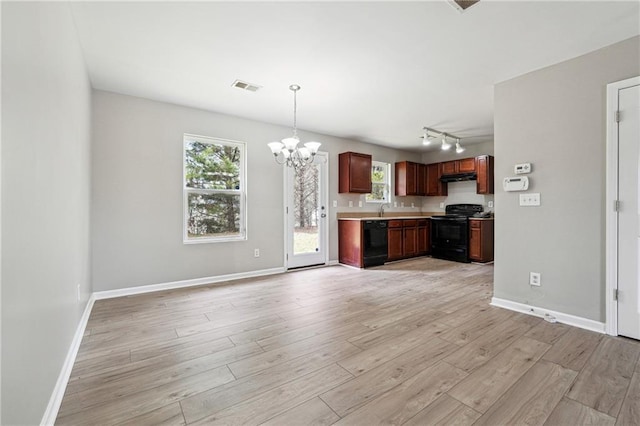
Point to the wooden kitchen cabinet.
(408, 175)
(484, 170)
(464, 165)
(410, 238)
(354, 173)
(395, 239)
(481, 240)
(350, 243)
(433, 185)
(421, 176)
(423, 236)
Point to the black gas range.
(450, 233)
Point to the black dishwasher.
(375, 242)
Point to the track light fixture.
(445, 145)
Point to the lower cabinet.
(407, 238)
(481, 240)
(423, 237)
(395, 240)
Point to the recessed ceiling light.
(246, 86)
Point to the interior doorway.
(623, 211)
(306, 214)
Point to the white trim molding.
(611, 245)
(50, 414)
(585, 323)
(129, 291)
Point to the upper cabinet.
(484, 169)
(410, 178)
(354, 173)
(433, 184)
(466, 165)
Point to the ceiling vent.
(246, 86)
(462, 5)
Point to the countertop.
(402, 217)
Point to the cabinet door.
(406, 178)
(421, 179)
(467, 165)
(484, 166)
(354, 173)
(394, 243)
(475, 240)
(410, 246)
(423, 238)
(434, 186)
(449, 168)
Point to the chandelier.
(287, 152)
(429, 134)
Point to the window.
(214, 190)
(379, 183)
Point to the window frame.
(242, 191)
(387, 183)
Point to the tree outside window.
(379, 183)
(214, 195)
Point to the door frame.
(611, 229)
(323, 157)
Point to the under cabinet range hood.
(459, 177)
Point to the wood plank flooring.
(411, 342)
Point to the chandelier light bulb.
(287, 152)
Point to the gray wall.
(45, 201)
(136, 219)
(555, 119)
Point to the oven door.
(449, 238)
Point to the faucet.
(381, 211)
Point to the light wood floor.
(414, 343)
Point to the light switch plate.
(490, 204)
(531, 199)
(360, 203)
(335, 203)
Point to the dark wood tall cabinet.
(433, 184)
(354, 173)
(484, 170)
(481, 240)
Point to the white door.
(306, 211)
(629, 212)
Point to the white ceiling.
(371, 71)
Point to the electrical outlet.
(395, 204)
(256, 252)
(360, 203)
(442, 205)
(350, 203)
(412, 205)
(490, 204)
(335, 203)
(534, 279)
(402, 204)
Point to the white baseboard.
(108, 294)
(587, 324)
(50, 414)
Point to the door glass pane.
(306, 198)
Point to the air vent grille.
(462, 5)
(246, 86)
